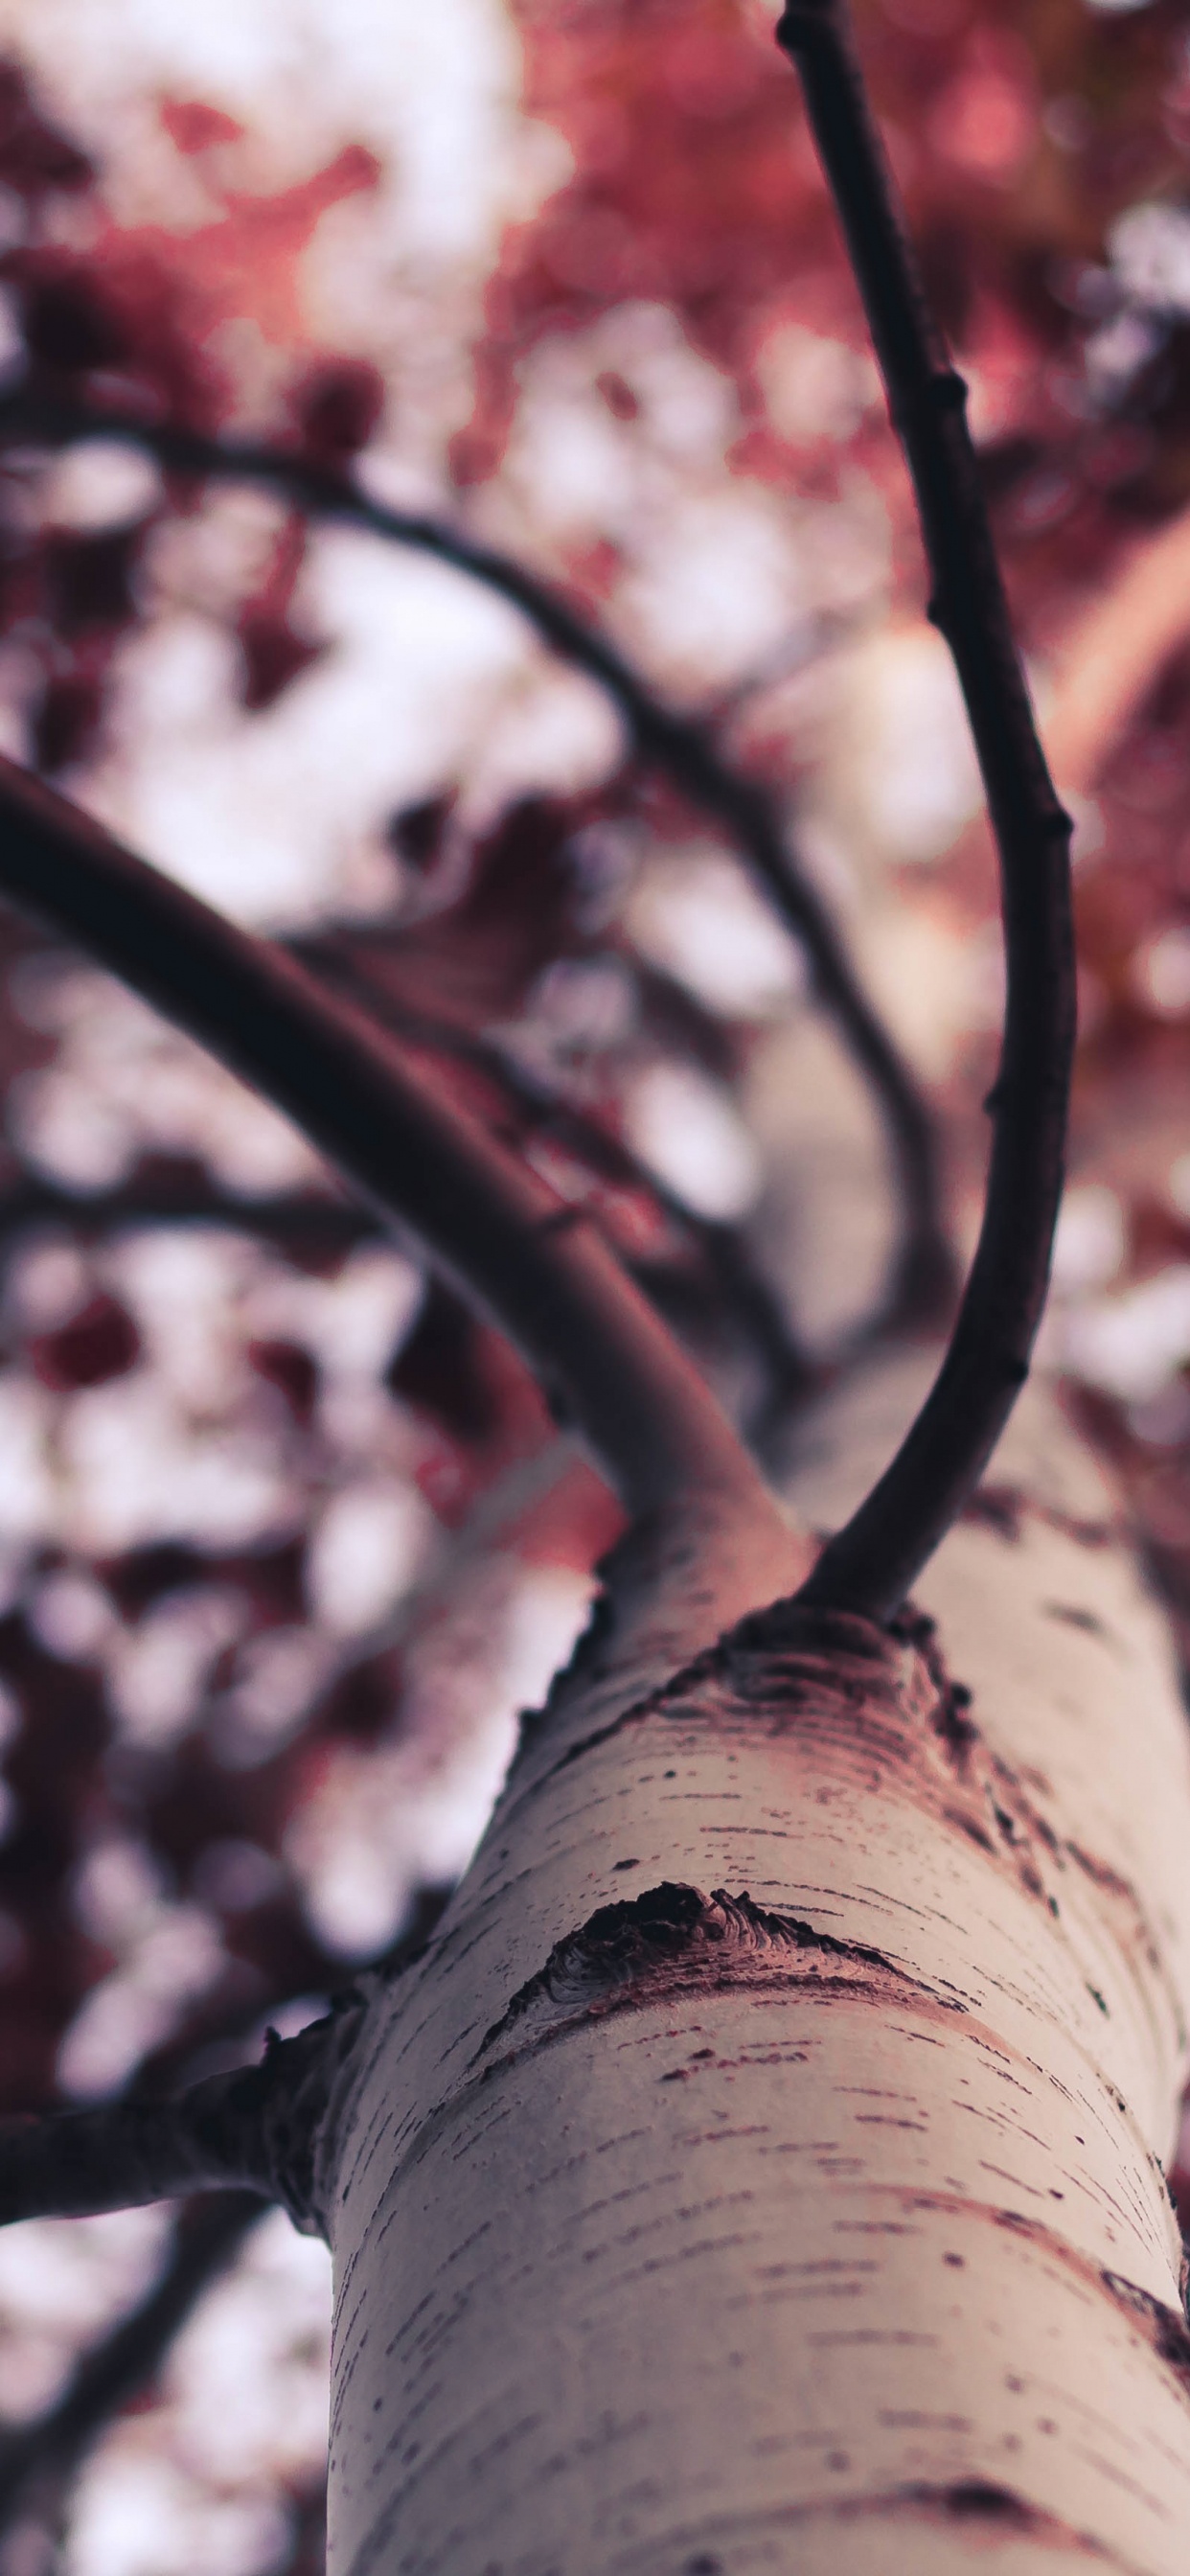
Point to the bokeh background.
(286, 1537)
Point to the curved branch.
(42, 2457)
(545, 1275)
(681, 747)
(871, 1563)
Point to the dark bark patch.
(878, 1705)
(1111, 1883)
(674, 1941)
(1072, 1616)
(987, 2512)
(999, 1508)
(888, 1695)
(1101, 1873)
(1162, 2327)
(976, 2500)
(975, 1832)
(981, 2504)
(950, 1714)
(1165, 2329)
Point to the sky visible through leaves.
(287, 1537)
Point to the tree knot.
(675, 1940)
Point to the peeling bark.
(761, 2169)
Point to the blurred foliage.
(249, 1738)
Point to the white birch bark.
(762, 2169)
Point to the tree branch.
(187, 1197)
(74, 2164)
(681, 747)
(871, 1563)
(257, 2129)
(38, 2460)
(743, 1290)
(300, 1218)
(545, 1275)
(292, 1216)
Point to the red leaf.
(100, 1342)
(337, 407)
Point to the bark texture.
(762, 2168)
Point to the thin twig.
(743, 1289)
(39, 2459)
(292, 1216)
(682, 747)
(871, 1563)
(544, 1273)
(298, 1218)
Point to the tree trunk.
(762, 2167)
